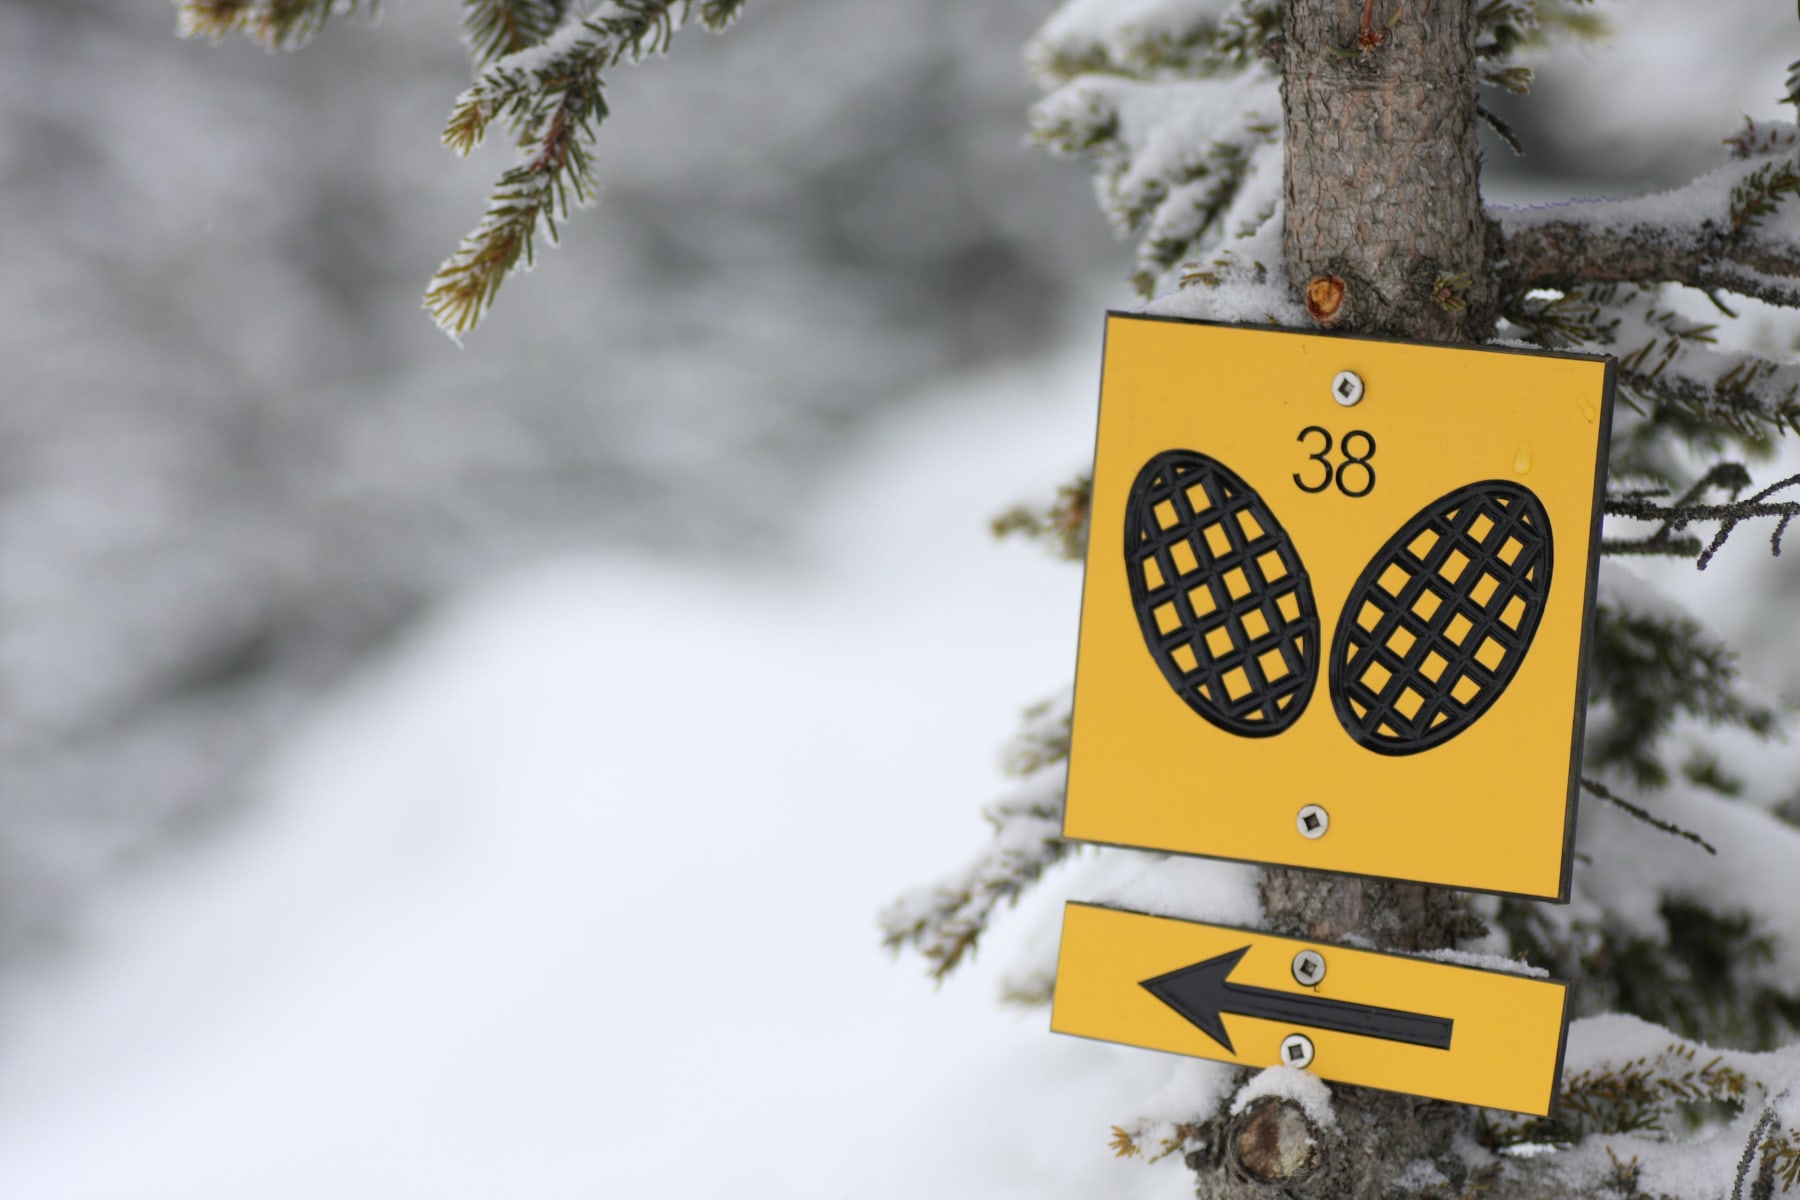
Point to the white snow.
(1485, 962)
(1251, 288)
(1164, 131)
(1190, 1096)
(1635, 866)
(1672, 1162)
(574, 895)
(1119, 30)
(1419, 1176)
(1110, 20)
(1290, 1083)
(1193, 889)
(586, 36)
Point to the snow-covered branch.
(1726, 231)
(274, 24)
(1172, 158)
(1585, 245)
(1665, 357)
(1677, 516)
(944, 921)
(552, 96)
(1062, 524)
(1654, 663)
(493, 29)
(1617, 1127)
(1146, 38)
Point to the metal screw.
(1347, 388)
(1309, 968)
(1296, 1050)
(1312, 822)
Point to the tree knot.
(1325, 299)
(1273, 1142)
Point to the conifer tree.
(540, 72)
(1313, 164)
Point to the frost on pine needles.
(495, 28)
(540, 66)
(1680, 912)
(1641, 1114)
(273, 24)
(551, 98)
(944, 921)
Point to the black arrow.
(1201, 993)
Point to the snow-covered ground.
(573, 894)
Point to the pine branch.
(494, 29)
(1651, 666)
(1751, 396)
(1186, 41)
(273, 24)
(1501, 129)
(944, 922)
(1511, 78)
(1596, 788)
(1636, 1096)
(1043, 742)
(1237, 281)
(1781, 1158)
(1731, 478)
(1171, 158)
(1169, 1137)
(1666, 358)
(1198, 207)
(1736, 246)
(1756, 197)
(1062, 524)
(1678, 516)
(1504, 27)
(551, 97)
(1764, 1124)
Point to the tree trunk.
(1384, 234)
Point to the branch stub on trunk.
(1325, 299)
(1274, 1142)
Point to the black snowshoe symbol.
(1435, 628)
(1221, 595)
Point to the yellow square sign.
(1434, 1029)
(1337, 598)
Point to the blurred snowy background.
(455, 773)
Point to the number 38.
(1342, 474)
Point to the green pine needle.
(273, 24)
(495, 28)
(552, 102)
(1761, 192)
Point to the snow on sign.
(1338, 592)
(1412, 1025)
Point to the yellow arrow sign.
(1336, 602)
(1379, 1020)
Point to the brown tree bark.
(1382, 182)
(1384, 234)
